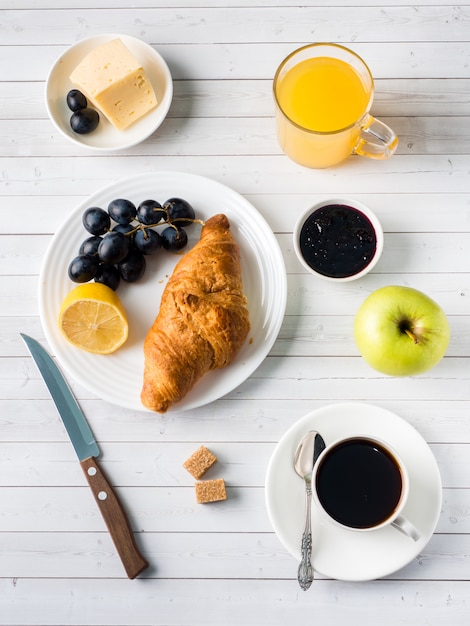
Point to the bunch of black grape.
(115, 252)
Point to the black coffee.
(359, 483)
(338, 241)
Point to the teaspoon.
(306, 455)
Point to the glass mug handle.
(377, 140)
(406, 527)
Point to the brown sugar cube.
(199, 462)
(210, 491)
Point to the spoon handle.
(305, 571)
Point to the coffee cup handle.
(406, 527)
(377, 140)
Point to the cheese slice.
(115, 83)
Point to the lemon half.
(93, 318)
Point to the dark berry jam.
(338, 241)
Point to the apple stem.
(411, 335)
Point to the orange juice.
(323, 94)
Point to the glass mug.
(359, 483)
(323, 93)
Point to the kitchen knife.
(87, 451)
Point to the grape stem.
(144, 227)
(187, 219)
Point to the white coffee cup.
(361, 484)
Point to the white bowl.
(106, 137)
(345, 202)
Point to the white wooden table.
(224, 564)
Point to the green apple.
(400, 331)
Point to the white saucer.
(106, 137)
(343, 554)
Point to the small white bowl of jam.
(338, 239)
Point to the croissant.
(203, 319)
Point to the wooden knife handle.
(115, 518)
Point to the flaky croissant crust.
(203, 318)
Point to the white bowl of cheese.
(109, 136)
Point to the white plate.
(118, 377)
(343, 554)
(106, 137)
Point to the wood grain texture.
(223, 563)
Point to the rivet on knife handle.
(115, 518)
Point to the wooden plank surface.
(224, 564)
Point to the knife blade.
(87, 451)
